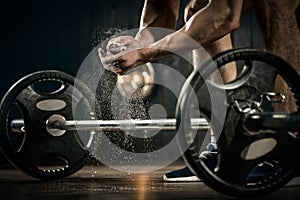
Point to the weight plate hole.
(234, 75)
(48, 87)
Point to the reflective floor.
(100, 182)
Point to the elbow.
(159, 16)
(229, 20)
(233, 22)
(170, 14)
(168, 7)
(167, 10)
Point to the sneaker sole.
(181, 179)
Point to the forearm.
(214, 21)
(157, 13)
(211, 23)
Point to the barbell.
(39, 133)
(57, 124)
(255, 133)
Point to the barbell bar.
(57, 124)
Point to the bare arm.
(217, 19)
(157, 13)
(209, 24)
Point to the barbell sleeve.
(17, 126)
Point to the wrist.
(145, 37)
(152, 54)
(146, 54)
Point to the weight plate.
(240, 154)
(33, 99)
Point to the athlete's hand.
(122, 62)
(121, 43)
(122, 54)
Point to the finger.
(116, 50)
(106, 59)
(118, 71)
(124, 39)
(101, 53)
(120, 41)
(112, 68)
(129, 43)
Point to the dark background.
(56, 34)
(38, 35)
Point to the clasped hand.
(122, 54)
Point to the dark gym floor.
(100, 182)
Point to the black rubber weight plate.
(255, 83)
(35, 151)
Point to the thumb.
(101, 53)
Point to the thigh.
(280, 28)
(282, 37)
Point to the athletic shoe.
(210, 158)
(186, 175)
(262, 171)
(257, 174)
(180, 175)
